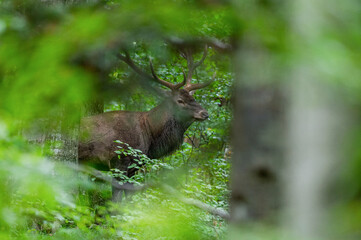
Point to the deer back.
(98, 133)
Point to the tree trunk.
(257, 137)
(317, 119)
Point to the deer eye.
(180, 101)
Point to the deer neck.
(167, 130)
(161, 115)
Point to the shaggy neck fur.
(167, 131)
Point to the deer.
(157, 133)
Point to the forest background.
(278, 158)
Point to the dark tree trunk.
(257, 138)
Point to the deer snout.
(202, 115)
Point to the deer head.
(180, 100)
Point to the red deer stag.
(156, 133)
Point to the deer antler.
(144, 74)
(196, 86)
(131, 64)
(165, 83)
(188, 55)
(187, 82)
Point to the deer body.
(156, 133)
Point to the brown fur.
(156, 133)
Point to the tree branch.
(196, 42)
(106, 178)
(130, 187)
(196, 203)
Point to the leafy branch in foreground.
(174, 193)
(147, 168)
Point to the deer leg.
(120, 164)
(116, 192)
(130, 173)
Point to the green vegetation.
(59, 62)
(54, 58)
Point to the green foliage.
(50, 65)
(57, 55)
(34, 198)
(147, 168)
(47, 199)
